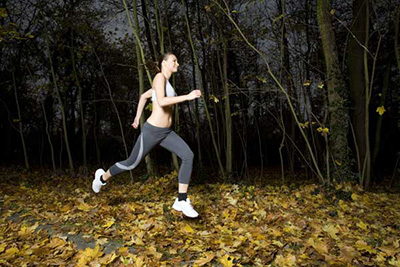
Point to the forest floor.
(56, 220)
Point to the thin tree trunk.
(196, 102)
(149, 162)
(49, 138)
(337, 94)
(397, 53)
(21, 133)
(160, 31)
(114, 105)
(285, 67)
(227, 14)
(357, 75)
(221, 168)
(71, 165)
(138, 41)
(228, 117)
(80, 105)
(148, 30)
(378, 130)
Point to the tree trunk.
(159, 24)
(356, 77)
(82, 115)
(397, 53)
(21, 132)
(228, 117)
(221, 168)
(337, 94)
(71, 165)
(148, 30)
(49, 138)
(378, 130)
(149, 162)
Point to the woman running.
(157, 131)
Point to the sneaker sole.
(173, 206)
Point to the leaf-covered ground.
(58, 221)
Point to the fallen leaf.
(208, 256)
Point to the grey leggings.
(165, 137)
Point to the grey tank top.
(169, 91)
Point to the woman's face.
(171, 63)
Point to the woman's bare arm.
(162, 100)
(142, 102)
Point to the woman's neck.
(167, 74)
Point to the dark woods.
(309, 86)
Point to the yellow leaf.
(172, 251)
(209, 256)
(323, 130)
(338, 163)
(227, 249)
(56, 242)
(331, 230)
(389, 250)
(362, 245)
(188, 229)
(139, 261)
(289, 260)
(304, 125)
(82, 262)
(213, 97)
(229, 261)
(27, 230)
(93, 253)
(85, 207)
(261, 79)
(277, 243)
(231, 200)
(318, 245)
(355, 197)
(307, 83)
(380, 258)
(107, 259)
(381, 110)
(11, 252)
(153, 251)
(343, 205)
(109, 223)
(362, 225)
(2, 247)
(139, 241)
(395, 261)
(320, 85)
(332, 11)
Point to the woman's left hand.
(135, 123)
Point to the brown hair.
(162, 58)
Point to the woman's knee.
(188, 156)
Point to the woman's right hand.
(194, 94)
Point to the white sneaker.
(97, 184)
(185, 207)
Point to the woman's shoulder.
(159, 77)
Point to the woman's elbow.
(162, 103)
(145, 96)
